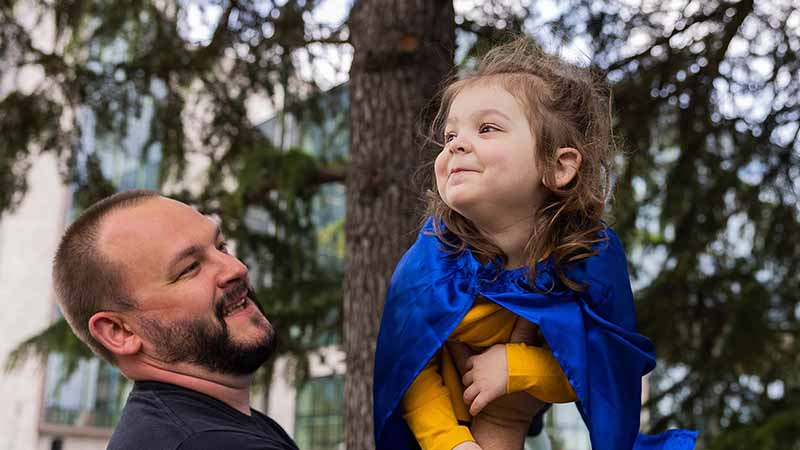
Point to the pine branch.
(57, 338)
(218, 38)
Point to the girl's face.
(487, 169)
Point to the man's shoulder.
(164, 417)
(147, 421)
(257, 432)
(238, 439)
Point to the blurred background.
(298, 124)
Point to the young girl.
(516, 263)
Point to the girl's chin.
(463, 207)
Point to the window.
(565, 427)
(94, 394)
(91, 397)
(319, 423)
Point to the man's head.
(140, 274)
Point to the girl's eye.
(449, 137)
(487, 128)
(189, 269)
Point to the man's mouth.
(234, 301)
(235, 307)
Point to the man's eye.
(223, 247)
(189, 269)
(485, 128)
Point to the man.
(147, 282)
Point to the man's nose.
(232, 269)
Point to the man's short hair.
(86, 281)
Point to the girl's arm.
(536, 371)
(533, 368)
(507, 368)
(428, 411)
(524, 364)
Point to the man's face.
(194, 301)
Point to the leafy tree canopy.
(81, 78)
(706, 100)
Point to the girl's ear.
(568, 162)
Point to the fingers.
(470, 393)
(478, 404)
(460, 352)
(470, 363)
(476, 399)
(468, 378)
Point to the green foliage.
(706, 98)
(707, 196)
(56, 338)
(121, 81)
(778, 432)
(28, 122)
(92, 185)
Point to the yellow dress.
(433, 404)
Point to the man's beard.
(207, 342)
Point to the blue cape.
(592, 335)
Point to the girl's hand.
(486, 378)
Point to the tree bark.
(403, 50)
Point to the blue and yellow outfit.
(592, 335)
(433, 404)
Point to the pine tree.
(706, 100)
(706, 96)
(121, 63)
(402, 51)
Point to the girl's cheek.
(440, 165)
(440, 170)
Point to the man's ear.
(568, 162)
(113, 333)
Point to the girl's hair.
(567, 106)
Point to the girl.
(514, 248)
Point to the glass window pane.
(319, 414)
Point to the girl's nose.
(460, 145)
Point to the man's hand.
(486, 378)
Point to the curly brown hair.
(567, 106)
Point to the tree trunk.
(403, 49)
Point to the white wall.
(28, 239)
(72, 443)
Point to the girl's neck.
(512, 237)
